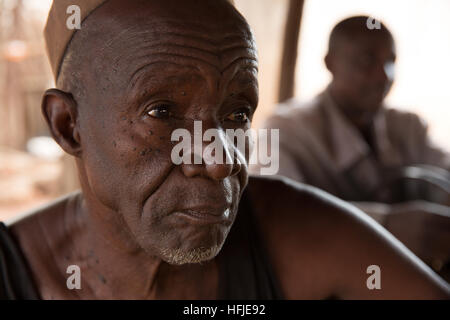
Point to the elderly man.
(145, 228)
(348, 143)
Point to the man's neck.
(114, 263)
(354, 114)
(116, 267)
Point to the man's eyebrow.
(245, 79)
(249, 63)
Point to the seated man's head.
(361, 56)
(136, 71)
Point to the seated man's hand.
(424, 228)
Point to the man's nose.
(207, 161)
(385, 72)
(213, 171)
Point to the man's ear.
(61, 113)
(329, 62)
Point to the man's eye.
(239, 116)
(159, 112)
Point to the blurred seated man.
(348, 143)
(144, 227)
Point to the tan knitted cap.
(57, 34)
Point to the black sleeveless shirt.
(244, 268)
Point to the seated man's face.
(363, 71)
(156, 67)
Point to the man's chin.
(183, 256)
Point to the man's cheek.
(111, 173)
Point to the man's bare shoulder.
(322, 246)
(45, 214)
(277, 197)
(38, 230)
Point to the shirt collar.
(347, 143)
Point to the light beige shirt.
(319, 146)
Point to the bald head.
(356, 28)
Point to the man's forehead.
(159, 18)
(174, 36)
(153, 46)
(369, 42)
(128, 42)
(58, 36)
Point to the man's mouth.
(205, 216)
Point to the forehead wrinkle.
(213, 35)
(171, 49)
(108, 43)
(206, 33)
(146, 84)
(173, 41)
(148, 39)
(199, 45)
(213, 53)
(212, 60)
(139, 73)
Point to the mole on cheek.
(102, 279)
(146, 151)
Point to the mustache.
(216, 194)
(200, 195)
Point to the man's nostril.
(219, 171)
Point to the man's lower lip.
(203, 218)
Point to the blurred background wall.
(33, 171)
(32, 168)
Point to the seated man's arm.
(402, 274)
(322, 247)
(435, 155)
(416, 143)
